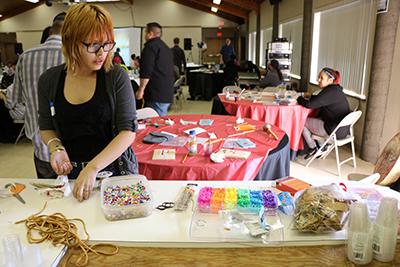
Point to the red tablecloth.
(291, 119)
(200, 167)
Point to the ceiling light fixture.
(1, 15)
(217, 2)
(214, 9)
(32, 1)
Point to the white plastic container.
(135, 201)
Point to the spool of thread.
(385, 230)
(359, 235)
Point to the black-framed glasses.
(94, 48)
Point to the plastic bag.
(322, 209)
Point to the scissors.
(15, 189)
(165, 205)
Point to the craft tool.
(267, 127)
(183, 202)
(15, 189)
(245, 132)
(183, 161)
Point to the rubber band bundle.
(57, 229)
(322, 209)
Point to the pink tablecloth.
(291, 119)
(200, 167)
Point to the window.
(266, 36)
(252, 47)
(293, 31)
(342, 40)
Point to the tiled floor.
(17, 161)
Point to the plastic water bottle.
(280, 91)
(192, 140)
(227, 94)
(284, 90)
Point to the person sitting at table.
(249, 66)
(87, 112)
(333, 107)
(7, 68)
(231, 71)
(117, 61)
(135, 61)
(274, 75)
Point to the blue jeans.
(161, 108)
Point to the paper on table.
(188, 122)
(212, 135)
(198, 130)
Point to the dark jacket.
(122, 104)
(179, 57)
(157, 65)
(333, 107)
(231, 72)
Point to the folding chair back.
(349, 120)
(145, 113)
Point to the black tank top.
(85, 128)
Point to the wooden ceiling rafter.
(224, 8)
(247, 4)
(22, 9)
(206, 9)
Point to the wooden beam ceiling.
(206, 9)
(224, 8)
(246, 4)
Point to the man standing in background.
(179, 55)
(156, 72)
(31, 65)
(226, 51)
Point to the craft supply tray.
(207, 223)
(136, 202)
(246, 199)
(209, 227)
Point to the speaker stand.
(189, 55)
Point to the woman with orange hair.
(333, 107)
(87, 113)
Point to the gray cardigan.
(271, 79)
(122, 102)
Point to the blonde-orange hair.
(85, 22)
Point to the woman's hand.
(307, 95)
(60, 162)
(84, 183)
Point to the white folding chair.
(22, 132)
(353, 103)
(232, 88)
(145, 113)
(349, 120)
(179, 92)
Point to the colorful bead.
(125, 197)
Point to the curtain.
(343, 40)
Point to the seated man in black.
(248, 66)
(231, 71)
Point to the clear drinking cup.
(12, 244)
